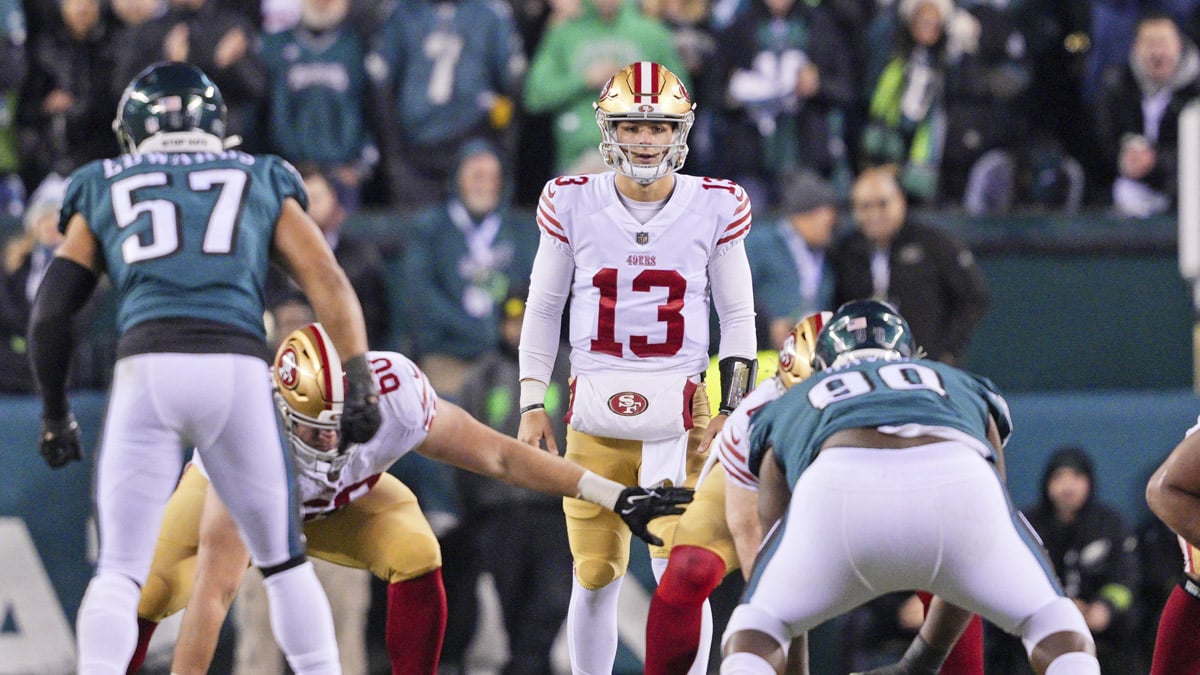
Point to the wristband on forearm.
(737, 379)
(533, 395)
(599, 490)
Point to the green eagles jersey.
(873, 394)
(185, 234)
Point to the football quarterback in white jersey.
(357, 514)
(638, 250)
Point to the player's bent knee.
(156, 602)
(1059, 616)
(692, 574)
(594, 574)
(751, 618)
(414, 555)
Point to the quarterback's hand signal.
(637, 506)
(59, 441)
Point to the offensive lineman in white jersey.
(638, 250)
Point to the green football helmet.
(864, 328)
(169, 98)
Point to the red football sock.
(145, 632)
(967, 656)
(416, 624)
(1177, 646)
(673, 627)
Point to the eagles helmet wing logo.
(628, 403)
(288, 368)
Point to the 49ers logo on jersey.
(628, 403)
(288, 368)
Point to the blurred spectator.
(691, 27)
(788, 258)
(136, 12)
(1061, 39)
(316, 110)
(907, 116)
(447, 73)
(279, 15)
(1094, 553)
(1138, 116)
(987, 124)
(929, 274)
(462, 259)
(578, 54)
(26, 257)
(359, 258)
(12, 73)
(348, 588)
(785, 77)
(209, 35)
(518, 536)
(66, 106)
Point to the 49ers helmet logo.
(288, 368)
(787, 353)
(628, 403)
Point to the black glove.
(360, 411)
(59, 441)
(637, 506)
(920, 659)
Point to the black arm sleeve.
(65, 288)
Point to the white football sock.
(744, 663)
(106, 626)
(592, 628)
(1074, 663)
(302, 621)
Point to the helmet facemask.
(311, 459)
(310, 388)
(644, 92)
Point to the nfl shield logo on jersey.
(643, 238)
(628, 403)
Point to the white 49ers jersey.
(640, 293)
(734, 439)
(407, 406)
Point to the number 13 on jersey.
(670, 313)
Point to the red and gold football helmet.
(644, 91)
(310, 387)
(796, 354)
